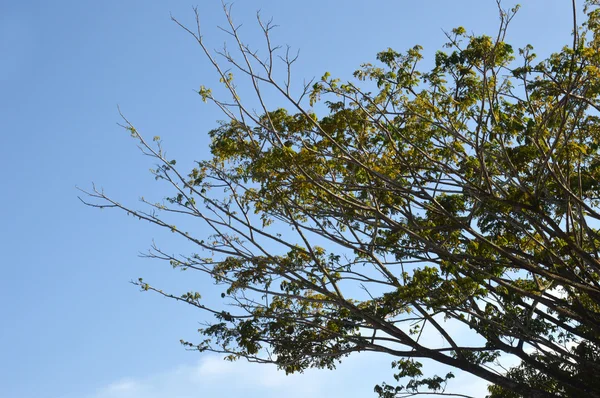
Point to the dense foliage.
(363, 214)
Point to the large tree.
(355, 216)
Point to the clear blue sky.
(70, 323)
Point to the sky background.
(71, 324)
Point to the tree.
(465, 194)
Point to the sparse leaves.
(464, 197)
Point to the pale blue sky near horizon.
(71, 325)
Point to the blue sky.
(72, 326)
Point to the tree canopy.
(356, 215)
